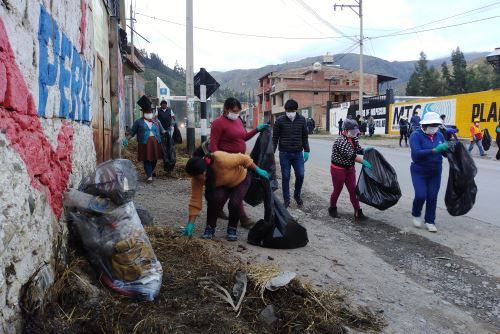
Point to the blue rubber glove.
(367, 148)
(125, 142)
(441, 147)
(367, 164)
(262, 127)
(262, 173)
(188, 230)
(306, 156)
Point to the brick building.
(312, 88)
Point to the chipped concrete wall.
(46, 72)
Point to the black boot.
(359, 216)
(299, 200)
(333, 212)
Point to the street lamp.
(494, 59)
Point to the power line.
(321, 19)
(245, 34)
(450, 17)
(437, 28)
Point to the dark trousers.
(287, 161)
(405, 135)
(149, 167)
(426, 187)
(220, 197)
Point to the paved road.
(486, 208)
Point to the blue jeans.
(479, 144)
(295, 160)
(149, 167)
(426, 185)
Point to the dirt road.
(419, 285)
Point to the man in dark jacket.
(166, 117)
(291, 137)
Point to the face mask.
(233, 116)
(476, 124)
(148, 115)
(291, 115)
(431, 130)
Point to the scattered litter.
(268, 315)
(280, 281)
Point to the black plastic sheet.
(278, 229)
(169, 154)
(176, 135)
(263, 156)
(378, 187)
(461, 190)
(486, 140)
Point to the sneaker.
(417, 222)
(209, 233)
(222, 215)
(287, 203)
(359, 216)
(299, 200)
(246, 222)
(232, 234)
(333, 212)
(150, 179)
(431, 227)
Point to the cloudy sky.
(320, 28)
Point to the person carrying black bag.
(166, 117)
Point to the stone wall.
(46, 73)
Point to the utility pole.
(132, 55)
(361, 74)
(190, 129)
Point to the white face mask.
(430, 130)
(291, 115)
(352, 133)
(233, 116)
(148, 115)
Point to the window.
(315, 93)
(267, 97)
(260, 99)
(274, 100)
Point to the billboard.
(162, 90)
(460, 110)
(379, 115)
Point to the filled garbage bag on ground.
(176, 135)
(169, 154)
(113, 179)
(278, 229)
(486, 140)
(461, 189)
(378, 187)
(263, 156)
(118, 248)
(85, 202)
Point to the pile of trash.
(104, 221)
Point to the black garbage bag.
(263, 156)
(278, 229)
(378, 187)
(461, 190)
(169, 154)
(176, 135)
(113, 179)
(486, 140)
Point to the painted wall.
(46, 71)
(460, 110)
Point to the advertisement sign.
(163, 92)
(379, 115)
(460, 110)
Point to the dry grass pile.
(130, 152)
(78, 304)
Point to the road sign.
(204, 78)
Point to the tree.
(432, 85)
(446, 80)
(415, 85)
(459, 76)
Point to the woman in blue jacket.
(427, 146)
(148, 131)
